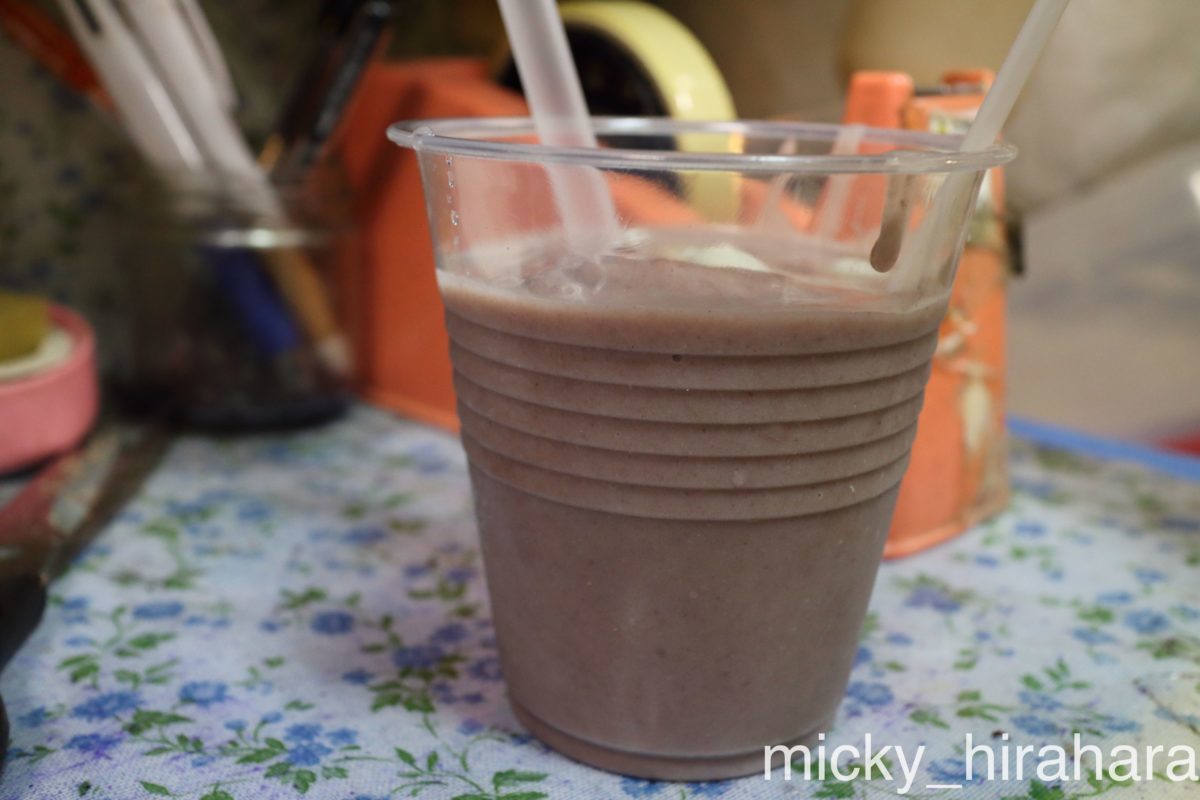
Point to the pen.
(206, 41)
(297, 108)
(161, 30)
(142, 102)
(340, 69)
(301, 286)
(268, 323)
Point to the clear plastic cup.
(685, 444)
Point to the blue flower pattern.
(106, 705)
(163, 609)
(203, 693)
(203, 676)
(333, 623)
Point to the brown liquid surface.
(684, 476)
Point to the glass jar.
(234, 324)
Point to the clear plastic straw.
(1015, 71)
(560, 116)
(839, 187)
(1001, 97)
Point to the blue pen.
(240, 277)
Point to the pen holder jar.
(233, 323)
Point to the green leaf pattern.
(304, 615)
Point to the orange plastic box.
(389, 290)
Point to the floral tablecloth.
(304, 615)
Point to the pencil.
(298, 280)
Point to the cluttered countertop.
(305, 615)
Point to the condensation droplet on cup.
(453, 217)
(739, 477)
(450, 179)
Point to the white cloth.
(1118, 83)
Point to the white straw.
(560, 116)
(837, 191)
(1015, 71)
(1001, 97)
(770, 216)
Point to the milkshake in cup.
(685, 443)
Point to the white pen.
(173, 52)
(142, 102)
(211, 50)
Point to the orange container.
(389, 290)
(958, 474)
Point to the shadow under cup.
(686, 451)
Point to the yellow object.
(687, 80)
(24, 323)
(54, 349)
(681, 69)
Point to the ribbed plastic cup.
(685, 450)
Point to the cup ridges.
(647, 469)
(680, 371)
(684, 504)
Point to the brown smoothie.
(683, 476)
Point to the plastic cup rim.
(916, 152)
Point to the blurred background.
(1103, 203)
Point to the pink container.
(50, 412)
